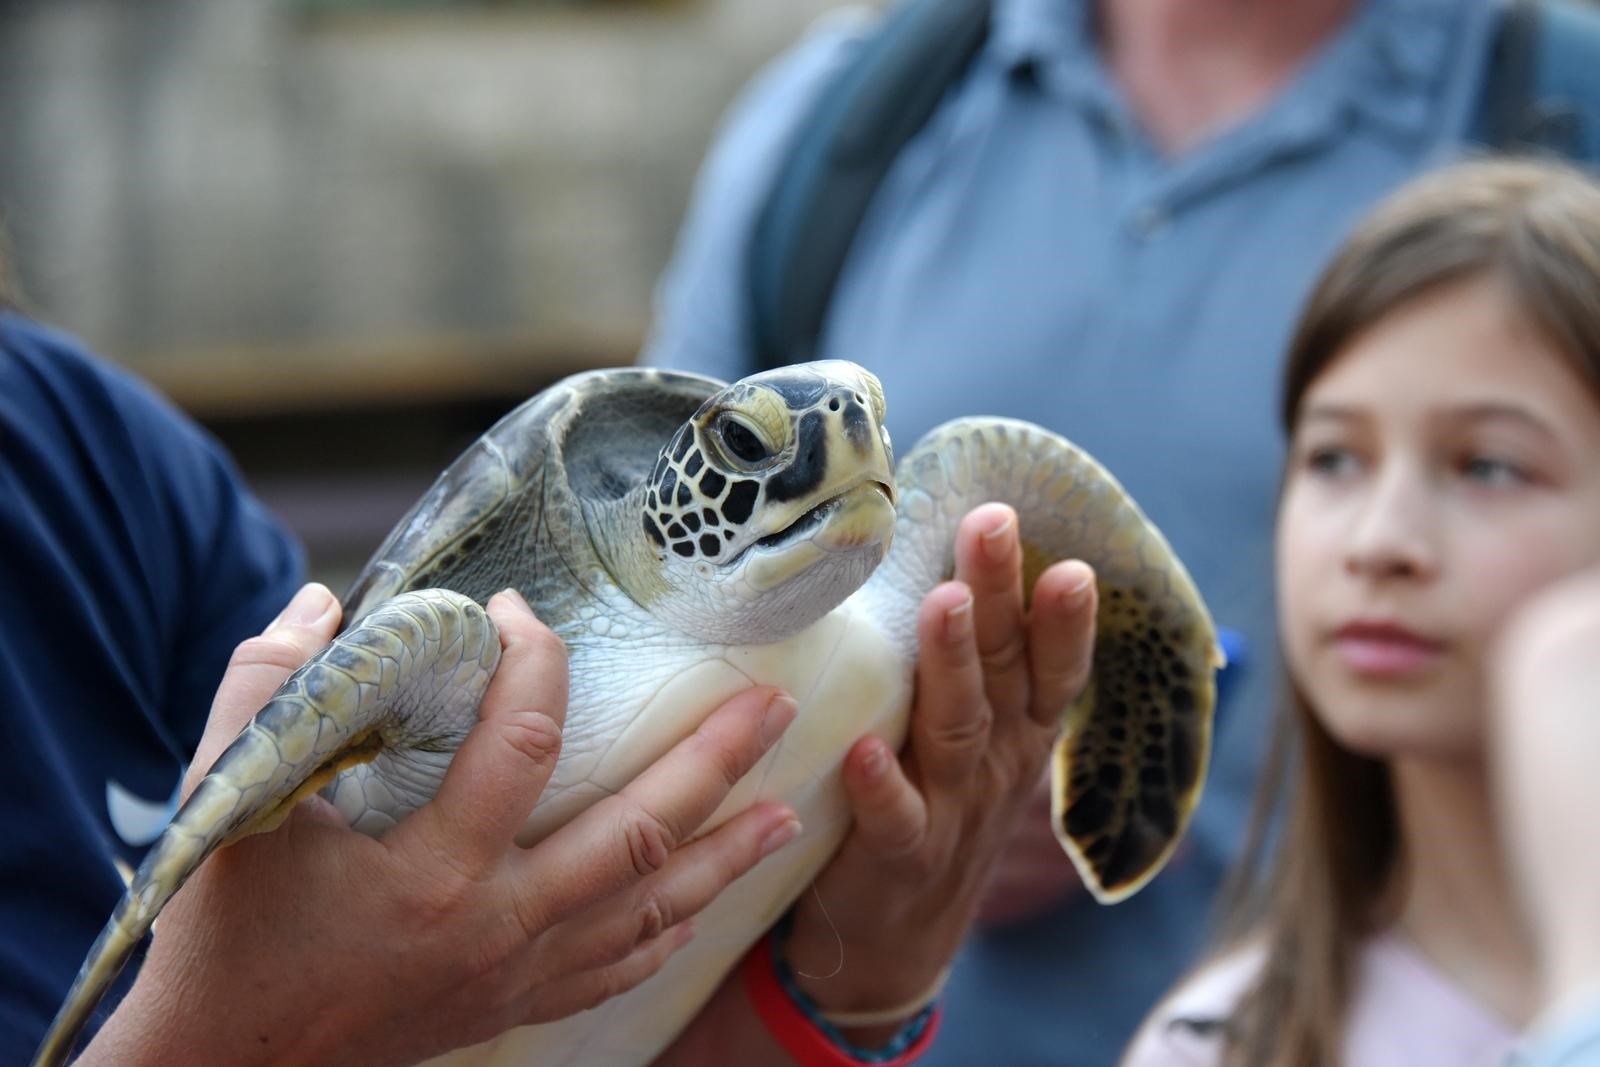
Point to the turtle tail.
(1128, 766)
(411, 673)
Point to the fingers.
(1547, 631)
(1542, 675)
(692, 879)
(951, 719)
(580, 992)
(503, 766)
(891, 818)
(1060, 638)
(1546, 743)
(989, 560)
(627, 837)
(699, 871)
(259, 666)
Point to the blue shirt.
(1032, 254)
(132, 561)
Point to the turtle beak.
(859, 520)
(864, 516)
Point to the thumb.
(891, 816)
(259, 666)
(502, 767)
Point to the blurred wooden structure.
(346, 242)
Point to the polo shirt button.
(1149, 220)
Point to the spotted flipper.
(409, 675)
(1128, 767)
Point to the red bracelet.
(799, 1035)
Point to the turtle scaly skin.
(687, 539)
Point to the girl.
(1442, 399)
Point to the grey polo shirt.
(1032, 254)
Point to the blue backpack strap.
(844, 148)
(1567, 83)
(1542, 91)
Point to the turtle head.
(772, 503)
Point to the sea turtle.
(686, 538)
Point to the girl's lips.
(1385, 650)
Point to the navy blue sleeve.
(132, 561)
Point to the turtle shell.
(590, 437)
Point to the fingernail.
(517, 598)
(958, 621)
(683, 933)
(780, 835)
(779, 714)
(1078, 588)
(995, 543)
(875, 762)
(310, 604)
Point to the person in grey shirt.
(1106, 227)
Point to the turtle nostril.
(833, 404)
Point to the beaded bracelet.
(795, 1022)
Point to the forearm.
(140, 1034)
(727, 1030)
(178, 1013)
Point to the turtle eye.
(742, 443)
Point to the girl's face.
(1444, 466)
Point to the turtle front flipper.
(409, 675)
(1128, 767)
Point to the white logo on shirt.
(136, 820)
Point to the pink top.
(1405, 1013)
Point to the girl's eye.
(1331, 461)
(1493, 471)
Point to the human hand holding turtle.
(319, 944)
(891, 909)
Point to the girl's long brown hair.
(1310, 889)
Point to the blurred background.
(347, 235)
